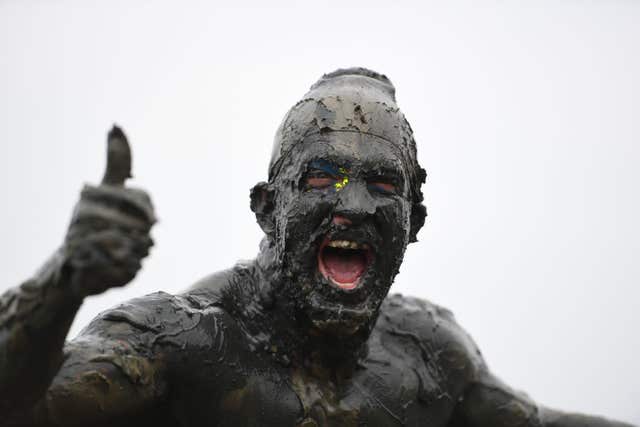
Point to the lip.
(324, 271)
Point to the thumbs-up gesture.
(109, 232)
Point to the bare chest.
(389, 388)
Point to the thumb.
(118, 158)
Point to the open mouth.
(344, 262)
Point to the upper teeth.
(344, 244)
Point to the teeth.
(344, 244)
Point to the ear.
(262, 205)
(418, 215)
(418, 210)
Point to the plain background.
(525, 113)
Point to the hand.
(109, 232)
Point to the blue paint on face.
(337, 173)
(326, 166)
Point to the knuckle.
(119, 203)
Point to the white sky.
(525, 113)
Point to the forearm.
(34, 321)
(490, 402)
(553, 418)
(106, 241)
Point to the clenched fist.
(109, 232)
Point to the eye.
(319, 182)
(382, 185)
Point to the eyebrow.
(325, 166)
(328, 166)
(385, 170)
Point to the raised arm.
(106, 241)
(490, 402)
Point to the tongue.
(345, 266)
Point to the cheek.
(393, 218)
(305, 217)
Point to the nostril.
(340, 220)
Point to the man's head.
(343, 199)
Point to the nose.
(354, 204)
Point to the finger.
(101, 216)
(123, 248)
(118, 158)
(127, 200)
(108, 249)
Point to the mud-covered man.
(304, 335)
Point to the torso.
(418, 363)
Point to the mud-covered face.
(342, 216)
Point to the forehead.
(351, 148)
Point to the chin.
(333, 310)
(339, 322)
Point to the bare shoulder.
(425, 320)
(121, 362)
(442, 343)
(160, 321)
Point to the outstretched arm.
(34, 321)
(488, 402)
(105, 243)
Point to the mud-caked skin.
(303, 335)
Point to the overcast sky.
(527, 121)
